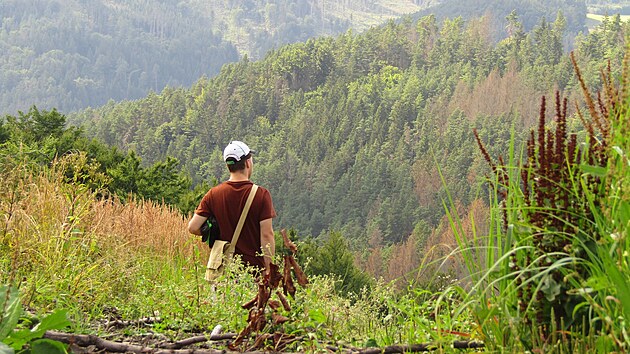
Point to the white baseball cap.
(236, 150)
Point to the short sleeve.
(204, 208)
(267, 211)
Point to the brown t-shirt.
(226, 202)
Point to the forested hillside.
(75, 54)
(349, 129)
(530, 13)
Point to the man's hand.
(267, 242)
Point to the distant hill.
(529, 12)
(74, 54)
(256, 26)
(77, 53)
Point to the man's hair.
(234, 166)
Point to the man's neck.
(238, 177)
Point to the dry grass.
(48, 207)
(64, 247)
(142, 225)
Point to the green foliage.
(35, 125)
(603, 43)
(334, 258)
(27, 340)
(606, 289)
(20, 338)
(554, 224)
(11, 310)
(46, 346)
(41, 137)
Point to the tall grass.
(556, 275)
(65, 248)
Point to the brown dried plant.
(260, 319)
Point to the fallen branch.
(412, 348)
(125, 323)
(199, 339)
(86, 340)
(465, 344)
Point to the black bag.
(210, 231)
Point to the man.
(226, 202)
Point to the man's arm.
(194, 225)
(267, 242)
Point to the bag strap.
(241, 220)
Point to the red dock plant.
(553, 205)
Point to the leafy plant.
(11, 309)
(27, 340)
